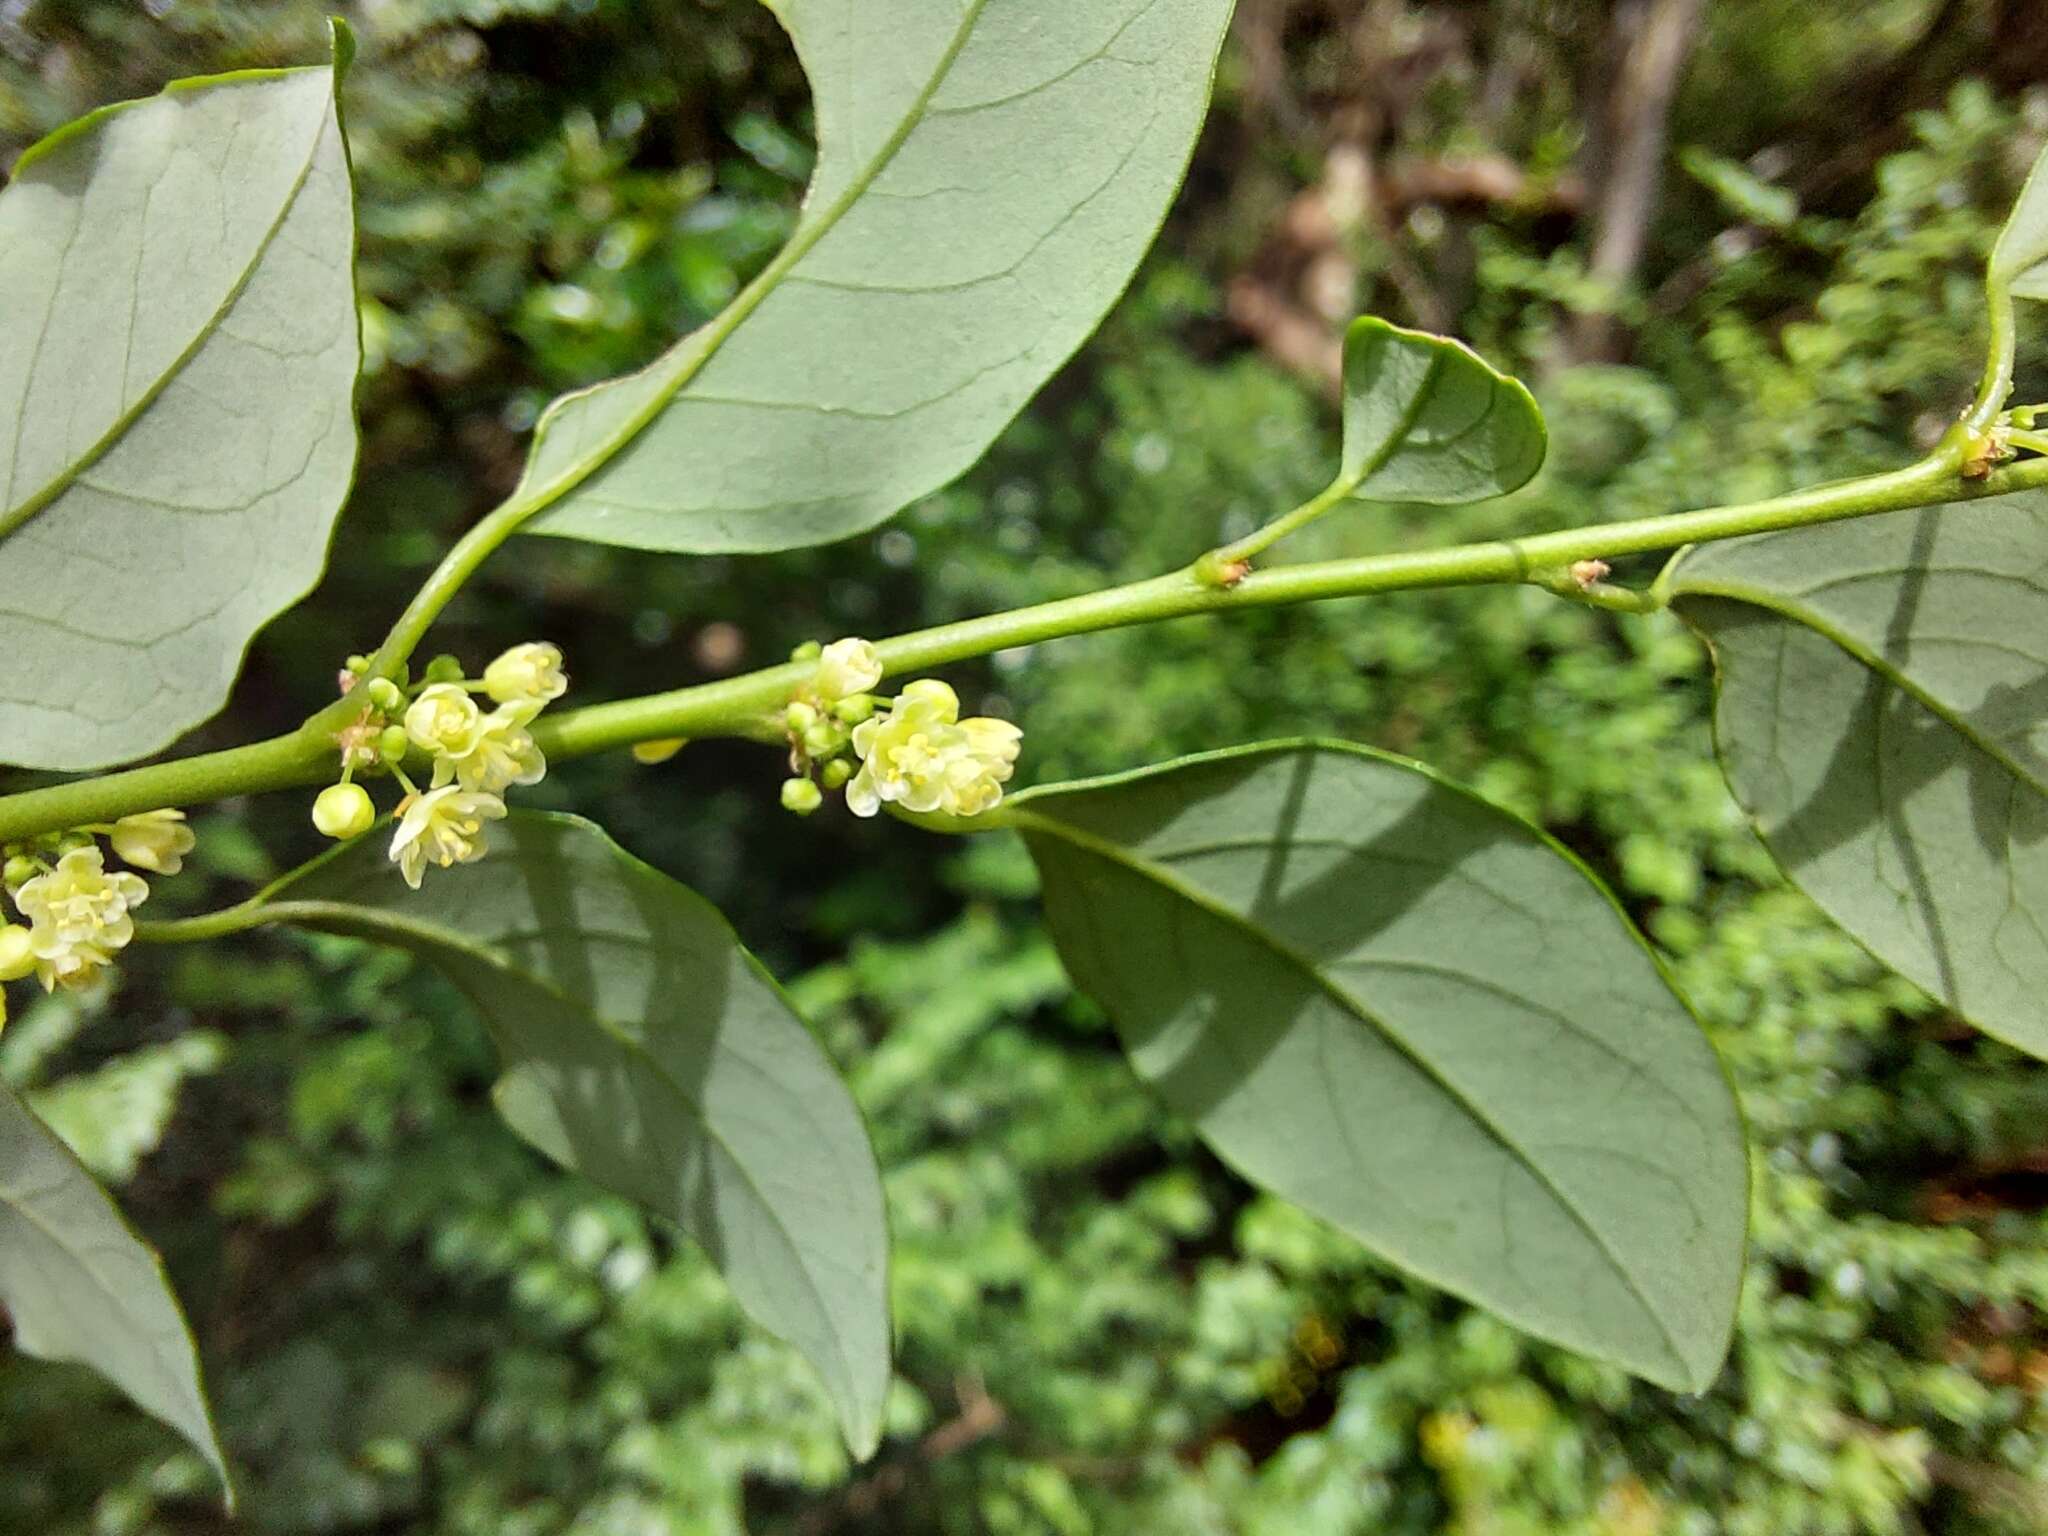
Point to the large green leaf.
(2019, 262)
(178, 354)
(647, 1050)
(1419, 1018)
(79, 1285)
(989, 174)
(1883, 717)
(1427, 419)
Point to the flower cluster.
(914, 751)
(476, 752)
(79, 914)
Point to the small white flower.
(923, 757)
(846, 667)
(527, 674)
(502, 755)
(444, 720)
(79, 916)
(155, 840)
(444, 827)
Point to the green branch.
(738, 706)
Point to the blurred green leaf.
(1418, 1017)
(1883, 718)
(647, 1050)
(115, 1116)
(1426, 419)
(79, 1285)
(988, 179)
(177, 366)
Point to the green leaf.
(647, 1050)
(1883, 718)
(1426, 419)
(989, 174)
(1419, 1018)
(79, 1285)
(2019, 262)
(178, 355)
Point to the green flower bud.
(824, 739)
(385, 695)
(800, 797)
(836, 773)
(17, 955)
(810, 650)
(20, 870)
(358, 665)
(344, 811)
(73, 840)
(443, 669)
(392, 743)
(852, 711)
(799, 717)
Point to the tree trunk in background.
(1638, 71)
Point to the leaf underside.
(1882, 716)
(1416, 1017)
(989, 175)
(178, 354)
(1426, 419)
(80, 1286)
(2019, 261)
(647, 1050)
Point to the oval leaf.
(2019, 262)
(1427, 419)
(178, 354)
(647, 1050)
(1882, 716)
(79, 1285)
(1418, 1018)
(989, 175)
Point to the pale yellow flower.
(527, 674)
(501, 755)
(155, 840)
(78, 916)
(976, 776)
(846, 667)
(443, 827)
(923, 757)
(445, 720)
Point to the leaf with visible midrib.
(647, 1050)
(1420, 1019)
(79, 1285)
(1882, 715)
(2019, 261)
(989, 175)
(1427, 419)
(178, 354)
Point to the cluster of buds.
(78, 912)
(477, 753)
(914, 750)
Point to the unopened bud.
(392, 743)
(344, 811)
(385, 695)
(824, 738)
(653, 752)
(443, 669)
(17, 953)
(800, 797)
(810, 650)
(20, 870)
(799, 717)
(851, 711)
(836, 773)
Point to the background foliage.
(414, 1324)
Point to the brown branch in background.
(1644, 57)
(980, 1416)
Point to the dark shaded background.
(1735, 246)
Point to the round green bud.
(855, 709)
(444, 669)
(801, 797)
(392, 743)
(800, 717)
(357, 664)
(836, 773)
(73, 840)
(824, 739)
(20, 870)
(810, 650)
(385, 695)
(17, 955)
(344, 811)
